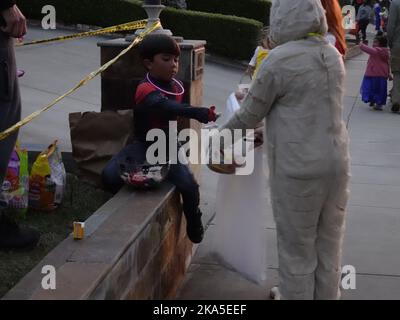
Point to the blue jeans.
(179, 175)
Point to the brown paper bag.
(96, 137)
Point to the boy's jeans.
(179, 175)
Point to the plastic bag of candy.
(47, 180)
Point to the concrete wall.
(135, 248)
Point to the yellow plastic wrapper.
(47, 180)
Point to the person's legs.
(12, 236)
(377, 23)
(380, 93)
(395, 66)
(366, 91)
(396, 91)
(10, 101)
(384, 26)
(297, 205)
(181, 176)
(363, 28)
(364, 31)
(356, 6)
(329, 241)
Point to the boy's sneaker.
(194, 227)
(14, 237)
(372, 104)
(395, 108)
(378, 107)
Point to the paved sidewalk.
(373, 223)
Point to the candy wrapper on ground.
(47, 180)
(16, 183)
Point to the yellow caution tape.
(81, 83)
(121, 27)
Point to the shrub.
(92, 12)
(252, 9)
(230, 36)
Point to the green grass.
(80, 201)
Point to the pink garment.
(378, 62)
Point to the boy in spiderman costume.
(158, 100)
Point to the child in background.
(377, 11)
(158, 100)
(260, 53)
(374, 85)
(384, 18)
(364, 15)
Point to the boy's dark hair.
(158, 43)
(382, 40)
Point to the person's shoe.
(20, 73)
(372, 104)
(14, 237)
(378, 107)
(275, 294)
(194, 227)
(395, 108)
